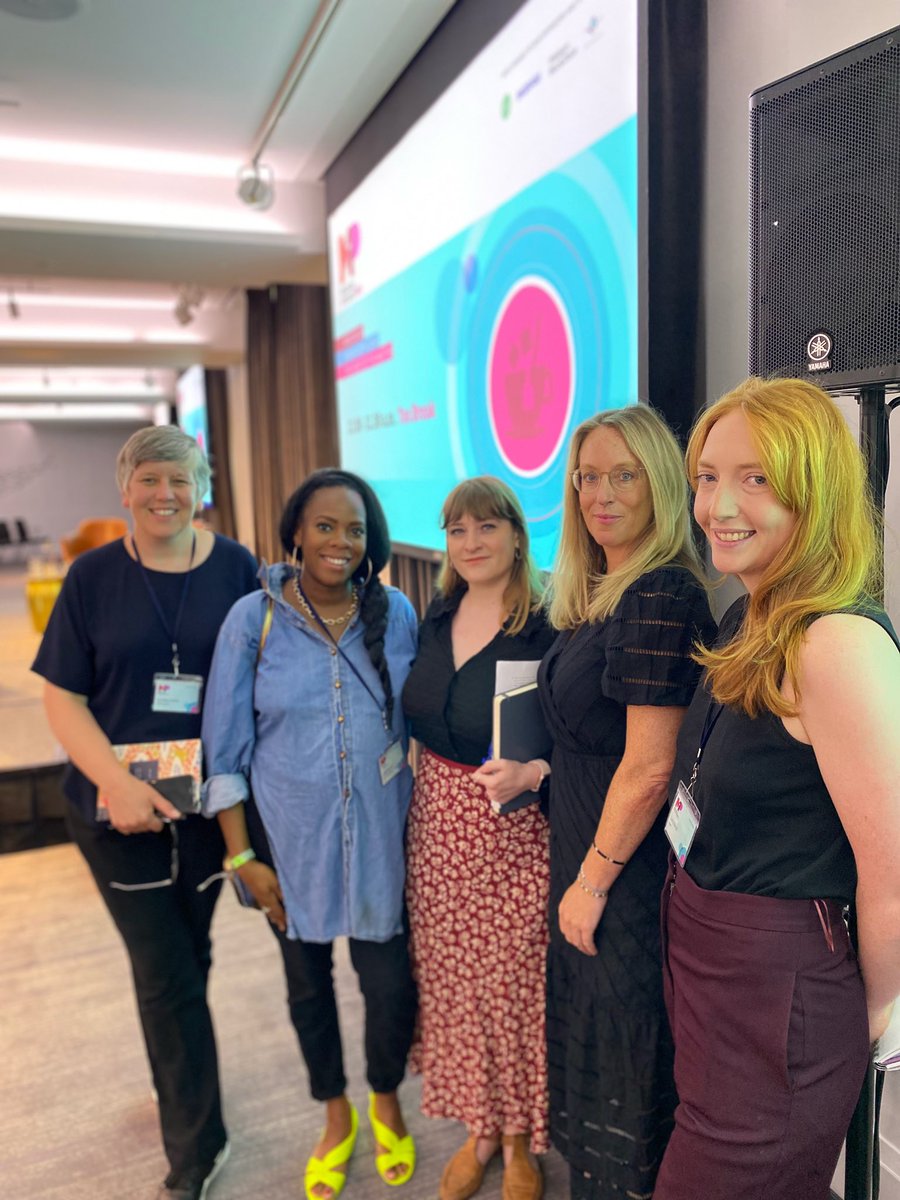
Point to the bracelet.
(597, 893)
(537, 786)
(616, 861)
(245, 856)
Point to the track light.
(256, 186)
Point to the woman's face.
(482, 550)
(617, 517)
(745, 522)
(331, 534)
(163, 498)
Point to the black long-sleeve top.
(451, 711)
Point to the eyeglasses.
(622, 479)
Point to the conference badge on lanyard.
(177, 693)
(684, 815)
(391, 763)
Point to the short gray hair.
(162, 443)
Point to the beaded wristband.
(245, 856)
(616, 861)
(597, 893)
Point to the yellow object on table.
(41, 595)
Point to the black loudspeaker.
(825, 220)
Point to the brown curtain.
(217, 416)
(414, 572)
(290, 383)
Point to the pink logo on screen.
(348, 248)
(530, 376)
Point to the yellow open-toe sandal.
(397, 1150)
(324, 1170)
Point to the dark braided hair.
(373, 608)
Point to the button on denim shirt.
(302, 728)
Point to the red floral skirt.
(477, 890)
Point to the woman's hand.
(879, 1021)
(136, 807)
(263, 885)
(503, 779)
(579, 916)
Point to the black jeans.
(386, 982)
(166, 934)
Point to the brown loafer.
(463, 1174)
(522, 1178)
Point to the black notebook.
(520, 734)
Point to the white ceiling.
(122, 131)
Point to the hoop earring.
(294, 561)
(518, 553)
(364, 583)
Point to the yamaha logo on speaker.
(818, 351)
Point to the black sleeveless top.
(768, 826)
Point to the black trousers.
(389, 993)
(166, 934)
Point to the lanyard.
(381, 708)
(171, 633)
(713, 712)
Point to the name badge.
(177, 693)
(392, 762)
(682, 823)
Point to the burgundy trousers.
(768, 1013)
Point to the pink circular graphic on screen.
(530, 376)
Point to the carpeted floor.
(78, 1120)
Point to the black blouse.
(768, 826)
(450, 712)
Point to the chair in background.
(92, 532)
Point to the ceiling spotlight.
(14, 311)
(189, 299)
(256, 185)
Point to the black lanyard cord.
(381, 707)
(713, 712)
(171, 632)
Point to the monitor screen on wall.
(484, 273)
(190, 407)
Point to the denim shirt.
(305, 731)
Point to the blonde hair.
(830, 560)
(580, 589)
(481, 498)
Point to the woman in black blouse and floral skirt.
(477, 882)
(630, 603)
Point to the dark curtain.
(217, 416)
(290, 384)
(673, 87)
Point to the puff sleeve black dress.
(612, 1095)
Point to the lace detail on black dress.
(612, 1095)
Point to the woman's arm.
(849, 684)
(133, 805)
(260, 879)
(636, 793)
(503, 778)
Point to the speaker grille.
(825, 218)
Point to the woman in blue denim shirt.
(315, 722)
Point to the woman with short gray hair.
(124, 659)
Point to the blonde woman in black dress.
(629, 603)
